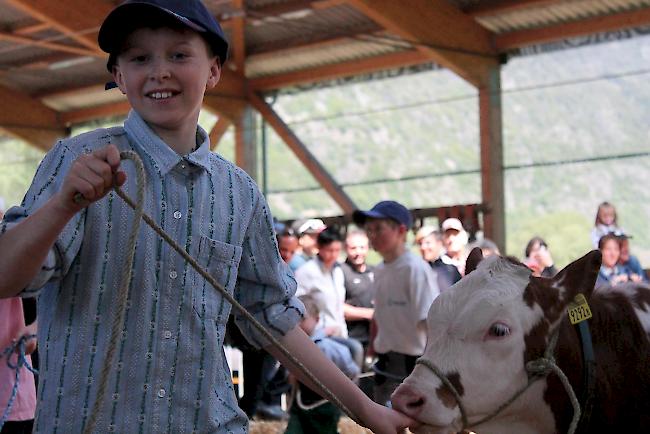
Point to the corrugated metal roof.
(281, 36)
(304, 26)
(307, 57)
(546, 14)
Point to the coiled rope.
(21, 362)
(118, 320)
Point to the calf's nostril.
(415, 403)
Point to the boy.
(309, 412)
(169, 373)
(405, 286)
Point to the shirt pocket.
(221, 261)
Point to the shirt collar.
(164, 157)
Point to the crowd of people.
(375, 313)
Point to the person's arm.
(30, 240)
(355, 313)
(380, 419)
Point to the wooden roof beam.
(23, 40)
(497, 7)
(440, 30)
(217, 132)
(608, 23)
(344, 69)
(98, 112)
(275, 9)
(31, 29)
(77, 19)
(278, 47)
(30, 120)
(238, 38)
(304, 155)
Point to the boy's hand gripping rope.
(21, 361)
(118, 320)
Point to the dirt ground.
(346, 426)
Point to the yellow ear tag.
(579, 309)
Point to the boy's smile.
(164, 73)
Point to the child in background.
(538, 258)
(12, 327)
(605, 223)
(169, 373)
(628, 260)
(405, 286)
(611, 273)
(309, 412)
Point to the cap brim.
(359, 217)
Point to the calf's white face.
(478, 333)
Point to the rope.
(123, 292)
(537, 369)
(21, 362)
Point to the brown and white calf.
(484, 330)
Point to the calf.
(487, 327)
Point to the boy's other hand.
(92, 176)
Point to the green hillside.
(576, 132)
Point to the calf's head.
(481, 334)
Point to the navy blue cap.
(386, 209)
(191, 13)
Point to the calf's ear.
(475, 256)
(553, 295)
(579, 277)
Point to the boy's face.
(164, 73)
(287, 246)
(385, 235)
(329, 253)
(356, 248)
(430, 248)
(611, 252)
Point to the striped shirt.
(170, 372)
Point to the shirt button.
(182, 165)
(177, 215)
(173, 274)
(167, 334)
(161, 393)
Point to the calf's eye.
(499, 330)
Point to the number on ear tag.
(579, 310)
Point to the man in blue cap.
(404, 287)
(169, 372)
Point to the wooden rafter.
(78, 19)
(608, 23)
(295, 5)
(343, 69)
(238, 39)
(304, 155)
(29, 119)
(23, 40)
(495, 7)
(218, 131)
(451, 38)
(314, 41)
(30, 29)
(91, 113)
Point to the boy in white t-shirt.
(405, 286)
